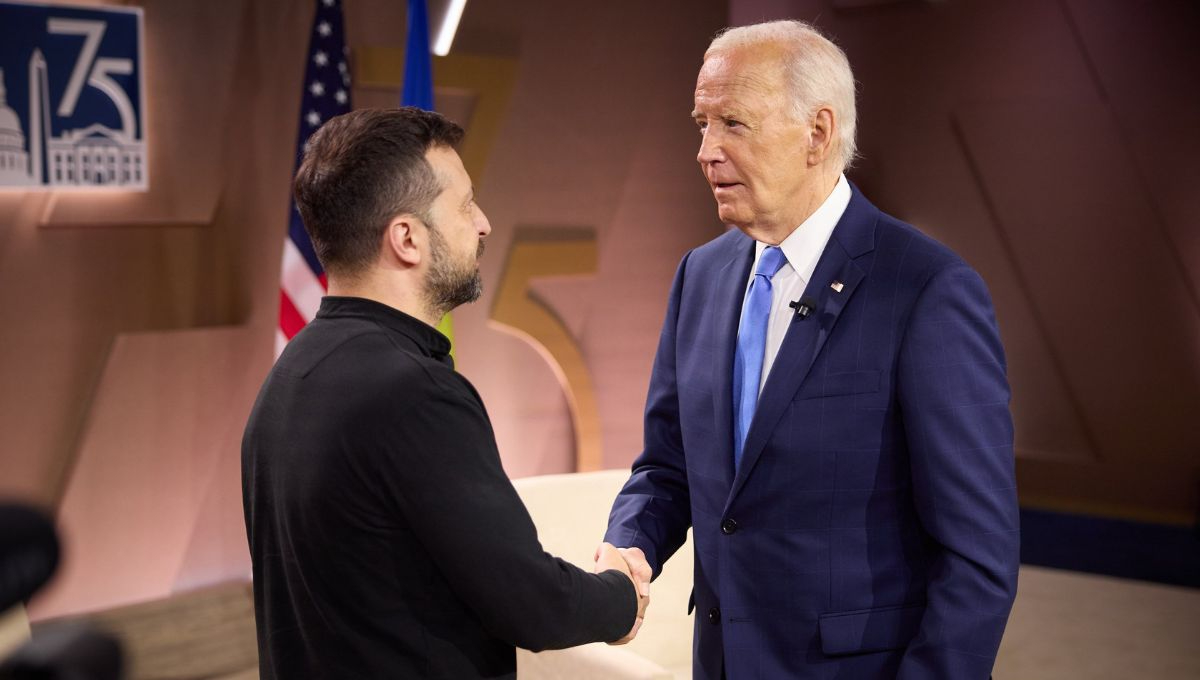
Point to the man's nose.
(710, 147)
(482, 225)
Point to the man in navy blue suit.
(828, 408)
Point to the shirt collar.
(803, 247)
(428, 339)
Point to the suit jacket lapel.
(852, 237)
(728, 289)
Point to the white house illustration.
(95, 156)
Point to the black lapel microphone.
(804, 307)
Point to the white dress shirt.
(802, 248)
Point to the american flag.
(326, 94)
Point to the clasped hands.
(631, 562)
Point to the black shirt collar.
(428, 339)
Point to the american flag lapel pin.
(836, 286)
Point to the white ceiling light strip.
(445, 38)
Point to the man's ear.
(404, 238)
(821, 136)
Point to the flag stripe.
(280, 341)
(299, 239)
(290, 321)
(298, 282)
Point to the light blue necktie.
(751, 346)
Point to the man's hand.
(639, 568)
(626, 561)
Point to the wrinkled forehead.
(754, 72)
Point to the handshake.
(631, 562)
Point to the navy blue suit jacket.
(871, 530)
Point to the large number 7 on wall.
(101, 69)
(560, 252)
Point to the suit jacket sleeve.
(653, 510)
(454, 495)
(954, 401)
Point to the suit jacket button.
(728, 526)
(714, 616)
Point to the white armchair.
(571, 514)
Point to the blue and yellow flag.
(418, 88)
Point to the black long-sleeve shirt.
(387, 541)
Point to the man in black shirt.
(387, 541)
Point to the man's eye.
(701, 126)
(729, 122)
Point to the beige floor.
(1072, 626)
(1065, 626)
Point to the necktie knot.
(770, 262)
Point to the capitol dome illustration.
(14, 160)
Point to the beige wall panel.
(1115, 307)
(918, 170)
(1145, 64)
(163, 431)
(65, 293)
(1128, 488)
(378, 22)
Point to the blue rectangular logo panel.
(71, 98)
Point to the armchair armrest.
(596, 661)
(14, 630)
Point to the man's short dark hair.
(360, 170)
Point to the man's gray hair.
(818, 69)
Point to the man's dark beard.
(448, 285)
